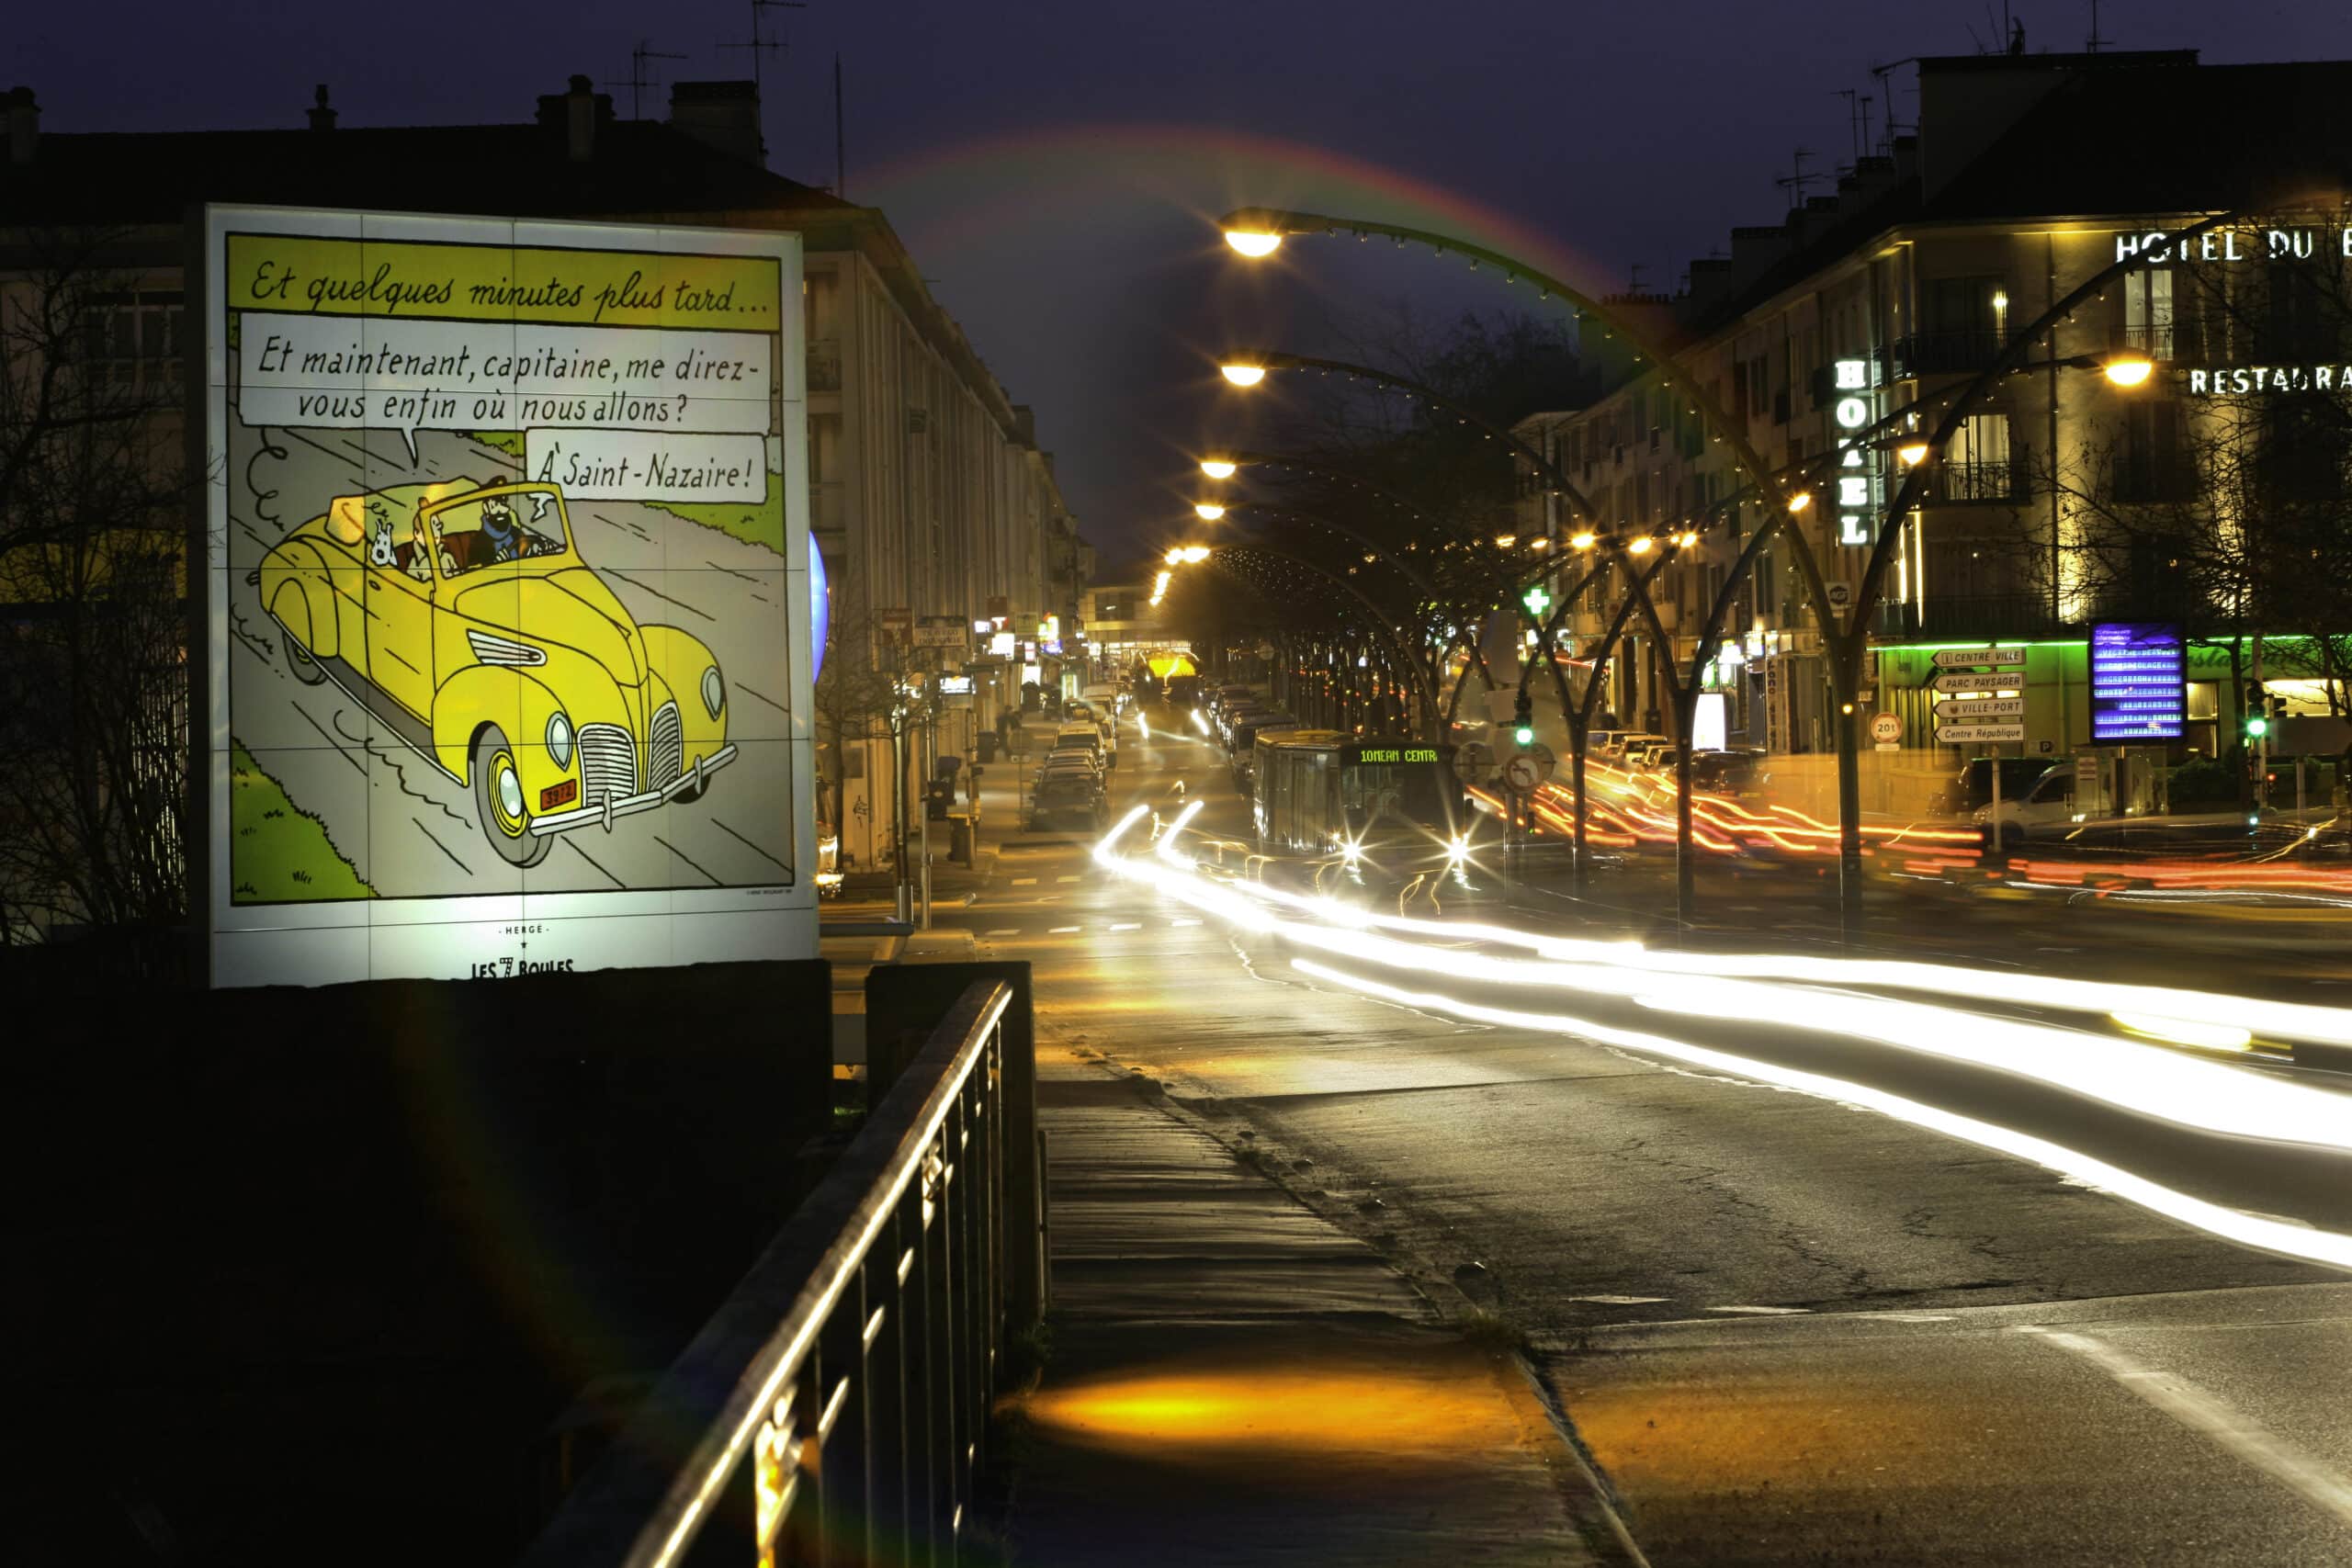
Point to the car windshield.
(484, 530)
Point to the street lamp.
(1242, 375)
(2128, 369)
(1219, 467)
(1252, 242)
(1800, 500)
(1207, 511)
(1912, 453)
(1583, 541)
(1188, 555)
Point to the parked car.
(1973, 786)
(1740, 774)
(2048, 802)
(1064, 798)
(464, 618)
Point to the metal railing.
(833, 1408)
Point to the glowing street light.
(1252, 242)
(2128, 369)
(1505, 541)
(1912, 453)
(1207, 511)
(1219, 467)
(1639, 545)
(1800, 500)
(1687, 538)
(1583, 541)
(1242, 375)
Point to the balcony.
(1970, 615)
(1973, 483)
(1944, 353)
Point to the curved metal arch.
(1379, 619)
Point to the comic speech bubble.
(341, 373)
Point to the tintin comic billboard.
(509, 608)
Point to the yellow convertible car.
(463, 617)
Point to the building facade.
(2060, 497)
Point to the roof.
(117, 178)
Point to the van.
(1972, 789)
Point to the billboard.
(509, 597)
(2139, 683)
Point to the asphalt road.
(410, 830)
(1788, 1326)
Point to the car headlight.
(559, 740)
(714, 691)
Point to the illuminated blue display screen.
(2138, 682)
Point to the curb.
(1450, 1305)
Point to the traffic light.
(2257, 724)
(1522, 723)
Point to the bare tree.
(94, 696)
(869, 691)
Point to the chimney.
(24, 125)
(579, 111)
(722, 116)
(321, 116)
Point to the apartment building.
(2026, 177)
(931, 495)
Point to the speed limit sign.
(1887, 728)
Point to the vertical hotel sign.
(2139, 683)
(508, 600)
(1854, 411)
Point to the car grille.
(666, 753)
(607, 762)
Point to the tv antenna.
(1796, 179)
(638, 81)
(1886, 89)
(1633, 278)
(2092, 44)
(758, 44)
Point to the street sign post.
(1526, 772)
(943, 631)
(1968, 657)
(1981, 707)
(1988, 683)
(1978, 733)
(1886, 731)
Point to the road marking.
(1764, 1312)
(1907, 1316)
(1620, 1300)
(1024, 882)
(1003, 931)
(2203, 1412)
(1065, 931)
(1064, 879)
(1128, 926)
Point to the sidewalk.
(1234, 1381)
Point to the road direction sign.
(1992, 680)
(1963, 657)
(941, 631)
(1525, 771)
(1973, 734)
(1887, 728)
(1981, 708)
(1471, 763)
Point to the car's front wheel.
(299, 662)
(498, 795)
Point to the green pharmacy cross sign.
(1536, 601)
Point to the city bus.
(1396, 803)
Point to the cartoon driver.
(420, 557)
(507, 540)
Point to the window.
(1979, 465)
(2148, 312)
(126, 335)
(2153, 462)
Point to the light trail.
(2280, 1237)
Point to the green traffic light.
(1526, 734)
(2256, 726)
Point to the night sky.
(1055, 166)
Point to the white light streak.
(2249, 1230)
